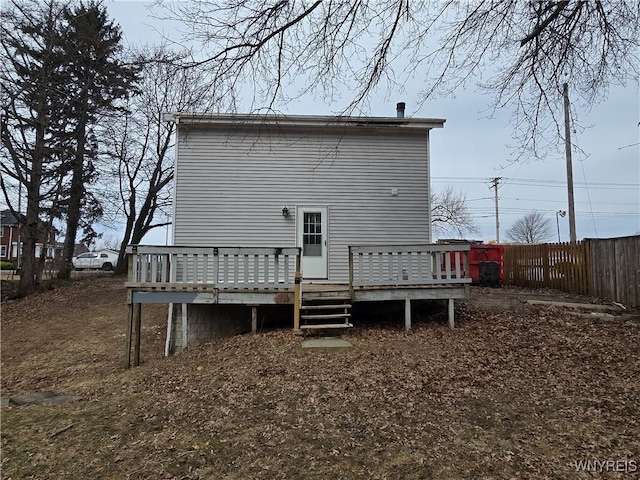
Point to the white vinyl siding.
(231, 187)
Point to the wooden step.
(325, 317)
(325, 326)
(308, 298)
(322, 307)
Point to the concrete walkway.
(326, 342)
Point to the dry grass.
(515, 392)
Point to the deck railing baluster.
(205, 267)
(235, 278)
(256, 269)
(225, 270)
(426, 264)
(286, 272)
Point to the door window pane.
(312, 234)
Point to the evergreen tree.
(62, 73)
(99, 78)
(33, 129)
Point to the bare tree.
(142, 143)
(522, 51)
(532, 228)
(450, 213)
(111, 242)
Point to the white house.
(317, 212)
(320, 183)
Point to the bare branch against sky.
(522, 52)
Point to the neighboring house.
(11, 241)
(344, 201)
(9, 233)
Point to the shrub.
(7, 265)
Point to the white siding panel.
(231, 187)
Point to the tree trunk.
(29, 231)
(122, 265)
(76, 194)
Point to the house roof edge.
(226, 119)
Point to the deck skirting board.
(381, 295)
(284, 297)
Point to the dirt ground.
(515, 391)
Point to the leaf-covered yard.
(516, 391)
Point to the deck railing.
(410, 265)
(251, 268)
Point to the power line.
(550, 201)
(536, 182)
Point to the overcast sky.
(472, 149)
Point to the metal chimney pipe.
(400, 109)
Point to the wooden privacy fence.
(606, 268)
(553, 265)
(615, 269)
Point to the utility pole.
(567, 150)
(494, 185)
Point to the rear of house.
(320, 183)
(310, 212)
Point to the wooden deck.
(272, 275)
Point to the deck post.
(185, 337)
(137, 321)
(351, 293)
(128, 335)
(296, 301)
(254, 319)
(407, 314)
(167, 343)
(451, 313)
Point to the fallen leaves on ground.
(515, 391)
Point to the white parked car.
(102, 259)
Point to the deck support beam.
(132, 336)
(451, 313)
(254, 319)
(297, 297)
(167, 344)
(128, 337)
(185, 336)
(407, 314)
(137, 326)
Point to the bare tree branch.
(519, 53)
(545, 23)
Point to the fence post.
(588, 264)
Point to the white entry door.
(311, 235)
